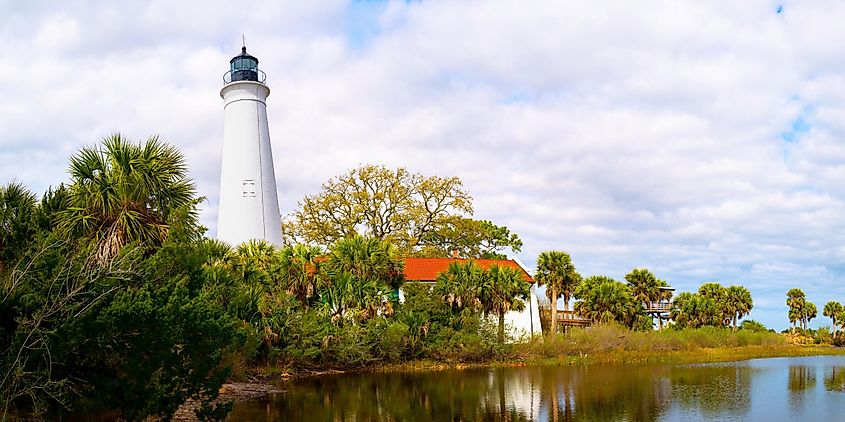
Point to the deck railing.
(657, 306)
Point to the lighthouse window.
(249, 188)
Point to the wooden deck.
(657, 307)
(572, 319)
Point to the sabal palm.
(556, 271)
(808, 312)
(349, 297)
(505, 289)
(646, 288)
(680, 309)
(738, 303)
(253, 262)
(124, 192)
(366, 258)
(608, 301)
(299, 270)
(17, 221)
(832, 309)
(461, 285)
(795, 300)
(644, 285)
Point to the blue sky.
(703, 140)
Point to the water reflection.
(736, 391)
(834, 379)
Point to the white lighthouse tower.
(249, 202)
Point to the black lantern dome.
(244, 67)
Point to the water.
(779, 389)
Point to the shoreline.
(277, 376)
(623, 357)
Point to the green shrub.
(752, 325)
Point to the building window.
(249, 188)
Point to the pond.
(804, 388)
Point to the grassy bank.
(611, 344)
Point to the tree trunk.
(659, 322)
(553, 330)
(501, 328)
(502, 407)
(734, 322)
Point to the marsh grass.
(615, 344)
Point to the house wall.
(527, 322)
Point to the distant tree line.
(603, 299)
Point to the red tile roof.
(427, 269)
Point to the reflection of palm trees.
(801, 378)
(594, 393)
(712, 390)
(834, 379)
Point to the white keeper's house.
(524, 323)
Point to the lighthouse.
(249, 202)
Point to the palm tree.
(808, 312)
(360, 274)
(461, 285)
(123, 192)
(832, 310)
(348, 297)
(608, 301)
(299, 269)
(840, 318)
(646, 289)
(795, 300)
(680, 310)
(504, 289)
(17, 221)
(738, 303)
(717, 294)
(253, 262)
(366, 258)
(556, 271)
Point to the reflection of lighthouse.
(249, 203)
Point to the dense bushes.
(423, 327)
(137, 335)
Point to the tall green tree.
(808, 312)
(556, 271)
(738, 303)
(717, 295)
(366, 258)
(421, 215)
(300, 272)
(17, 221)
(647, 289)
(362, 275)
(832, 309)
(505, 289)
(607, 301)
(124, 192)
(695, 310)
(254, 261)
(796, 300)
(461, 285)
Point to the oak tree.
(421, 215)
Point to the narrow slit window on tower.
(249, 188)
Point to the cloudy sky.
(703, 140)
